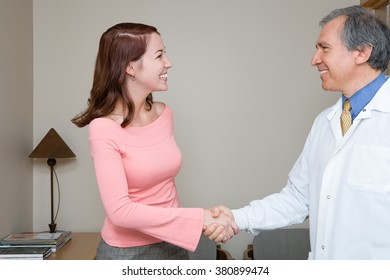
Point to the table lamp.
(51, 147)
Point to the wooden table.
(82, 246)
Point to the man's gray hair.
(362, 29)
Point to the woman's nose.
(168, 63)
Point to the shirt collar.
(363, 96)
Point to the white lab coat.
(341, 183)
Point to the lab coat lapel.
(380, 102)
(334, 121)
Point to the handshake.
(219, 224)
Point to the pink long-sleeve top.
(135, 169)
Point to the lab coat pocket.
(370, 169)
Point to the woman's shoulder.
(162, 110)
(103, 125)
(159, 107)
(103, 122)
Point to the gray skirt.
(157, 251)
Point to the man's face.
(336, 64)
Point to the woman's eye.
(161, 54)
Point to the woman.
(135, 155)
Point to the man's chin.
(327, 87)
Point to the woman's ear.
(363, 54)
(130, 69)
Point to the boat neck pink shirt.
(135, 169)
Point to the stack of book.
(37, 245)
(24, 253)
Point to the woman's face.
(151, 71)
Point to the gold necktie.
(346, 118)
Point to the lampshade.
(52, 146)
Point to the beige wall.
(16, 124)
(235, 62)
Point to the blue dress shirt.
(363, 96)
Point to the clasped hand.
(219, 224)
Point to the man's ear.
(363, 54)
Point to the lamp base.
(52, 227)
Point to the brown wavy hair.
(118, 46)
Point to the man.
(341, 180)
